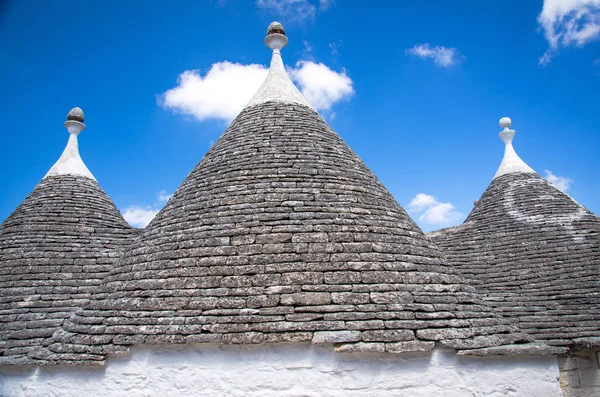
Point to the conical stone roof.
(55, 248)
(535, 253)
(281, 233)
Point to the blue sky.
(415, 88)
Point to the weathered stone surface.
(388, 335)
(336, 336)
(350, 298)
(362, 325)
(281, 233)
(302, 278)
(579, 373)
(306, 298)
(535, 254)
(289, 337)
(243, 338)
(391, 297)
(360, 347)
(262, 301)
(442, 333)
(538, 349)
(203, 338)
(55, 250)
(410, 346)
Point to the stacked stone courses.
(55, 248)
(282, 234)
(535, 255)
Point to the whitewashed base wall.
(289, 370)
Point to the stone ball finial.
(75, 114)
(276, 38)
(505, 122)
(275, 27)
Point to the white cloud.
(335, 48)
(290, 10)
(326, 4)
(140, 216)
(221, 93)
(568, 22)
(227, 87)
(546, 58)
(306, 52)
(307, 47)
(421, 202)
(560, 182)
(442, 56)
(163, 197)
(321, 86)
(433, 212)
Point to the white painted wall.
(289, 370)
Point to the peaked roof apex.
(277, 87)
(70, 162)
(511, 162)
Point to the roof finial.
(76, 114)
(511, 162)
(277, 87)
(70, 162)
(505, 122)
(74, 121)
(276, 38)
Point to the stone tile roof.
(55, 248)
(535, 254)
(281, 233)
